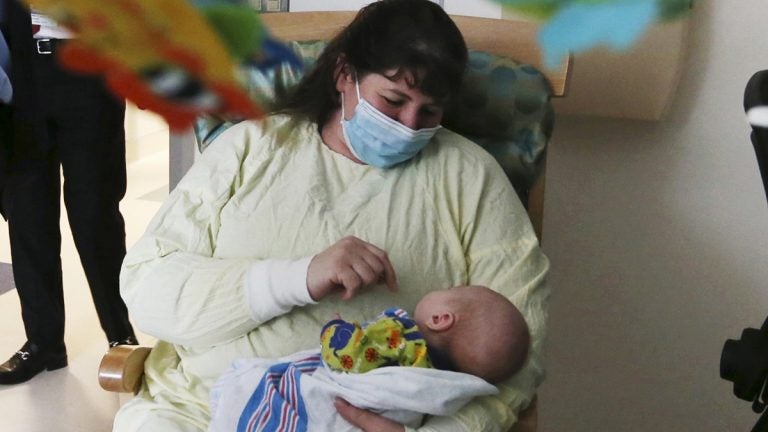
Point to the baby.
(459, 340)
(466, 329)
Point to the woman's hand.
(348, 266)
(366, 420)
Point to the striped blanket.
(296, 393)
(276, 404)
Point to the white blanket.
(403, 394)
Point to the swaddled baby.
(459, 341)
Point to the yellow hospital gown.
(272, 190)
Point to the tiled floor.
(70, 399)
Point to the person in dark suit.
(6, 92)
(70, 122)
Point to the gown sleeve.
(503, 253)
(173, 284)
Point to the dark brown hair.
(414, 36)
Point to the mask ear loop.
(357, 88)
(344, 136)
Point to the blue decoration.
(578, 27)
(273, 53)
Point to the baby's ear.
(441, 321)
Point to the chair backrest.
(507, 38)
(504, 104)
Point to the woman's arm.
(175, 287)
(500, 412)
(501, 252)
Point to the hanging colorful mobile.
(174, 57)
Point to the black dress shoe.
(29, 361)
(130, 340)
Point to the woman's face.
(395, 98)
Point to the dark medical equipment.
(745, 361)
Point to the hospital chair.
(504, 106)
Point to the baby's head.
(480, 331)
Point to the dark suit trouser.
(82, 133)
(5, 137)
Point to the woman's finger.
(389, 278)
(366, 271)
(350, 282)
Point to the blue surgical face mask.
(378, 140)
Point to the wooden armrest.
(122, 368)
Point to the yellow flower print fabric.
(393, 339)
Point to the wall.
(482, 8)
(145, 133)
(657, 234)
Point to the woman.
(352, 189)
